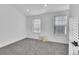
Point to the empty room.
(34, 29)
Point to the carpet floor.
(34, 47)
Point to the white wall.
(47, 20)
(12, 25)
(74, 10)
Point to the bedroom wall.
(12, 25)
(47, 26)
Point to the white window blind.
(60, 25)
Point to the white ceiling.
(35, 9)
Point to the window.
(60, 24)
(37, 25)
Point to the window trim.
(65, 31)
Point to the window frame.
(65, 25)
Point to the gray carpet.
(34, 47)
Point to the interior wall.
(12, 25)
(74, 9)
(47, 25)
